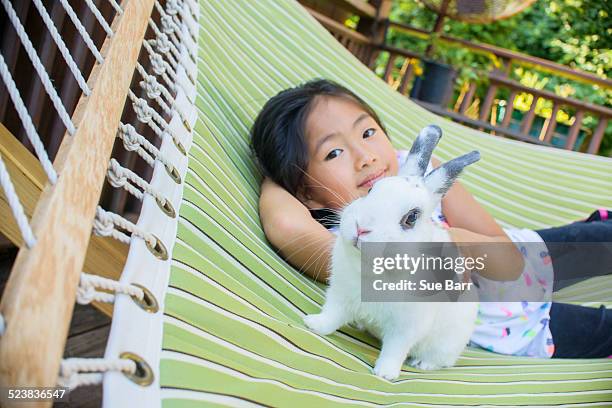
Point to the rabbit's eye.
(410, 218)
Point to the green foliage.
(576, 33)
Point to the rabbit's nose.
(362, 231)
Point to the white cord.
(172, 8)
(120, 177)
(171, 26)
(81, 29)
(16, 207)
(72, 369)
(132, 141)
(105, 223)
(39, 67)
(116, 6)
(99, 17)
(164, 45)
(154, 90)
(61, 45)
(88, 284)
(2, 325)
(161, 66)
(145, 113)
(26, 120)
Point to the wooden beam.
(105, 256)
(39, 297)
(516, 57)
(360, 7)
(479, 124)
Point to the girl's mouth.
(369, 182)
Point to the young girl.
(320, 147)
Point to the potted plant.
(436, 84)
(443, 68)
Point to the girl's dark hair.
(278, 136)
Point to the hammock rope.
(81, 29)
(40, 70)
(26, 120)
(61, 45)
(106, 223)
(88, 292)
(16, 206)
(75, 372)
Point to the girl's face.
(347, 153)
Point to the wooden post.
(552, 123)
(40, 293)
(437, 26)
(375, 28)
(509, 109)
(528, 121)
(389, 67)
(574, 130)
(407, 77)
(485, 110)
(598, 135)
(467, 98)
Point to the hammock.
(229, 330)
(232, 327)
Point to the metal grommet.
(148, 302)
(166, 208)
(159, 249)
(193, 82)
(144, 374)
(180, 147)
(186, 124)
(174, 174)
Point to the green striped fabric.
(233, 331)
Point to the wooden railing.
(358, 44)
(400, 73)
(603, 114)
(510, 58)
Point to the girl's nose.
(365, 158)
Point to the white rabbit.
(398, 209)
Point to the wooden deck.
(88, 334)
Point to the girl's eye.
(410, 218)
(333, 154)
(369, 132)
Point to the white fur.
(433, 334)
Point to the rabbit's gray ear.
(440, 180)
(420, 153)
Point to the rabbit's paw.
(387, 370)
(423, 365)
(320, 324)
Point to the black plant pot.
(436, 84)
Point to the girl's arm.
(470, 222)
(290, 228)
(307, 245)
(463, 211)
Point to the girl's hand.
(502, 259)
